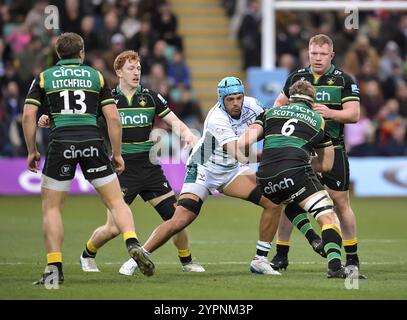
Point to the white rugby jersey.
(219, 129)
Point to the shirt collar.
(68, 61)
(330, 69)
(119, 91)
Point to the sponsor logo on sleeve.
(355, 88)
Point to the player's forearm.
(181, 130)
(345, 115)
(233, 150)
(245, 141)
(250, 136)
(177, 126)
(30, 129)
(350, 113)
(239, 156)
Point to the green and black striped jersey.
(72, 95)
(137, 115)
(290, 134)
(334, 88)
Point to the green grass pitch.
(223, 239)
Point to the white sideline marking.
(380, 241)
(236, 262)
(207, 263)
(237, 241)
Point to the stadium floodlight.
(269, 8)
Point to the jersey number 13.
(79, 97)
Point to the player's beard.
(236, 116)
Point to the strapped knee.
(166, 208)
(255, 196)
(191, 204)
(319, 204)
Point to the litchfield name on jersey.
(68, 80)
(69, 77)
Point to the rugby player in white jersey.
(216, 164)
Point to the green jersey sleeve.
(36, 93)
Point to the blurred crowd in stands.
(375, 54)
(108, 28)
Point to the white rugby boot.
(128, 268)
(261, 265)
(193, 267)
(88, 264)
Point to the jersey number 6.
(288, 128)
